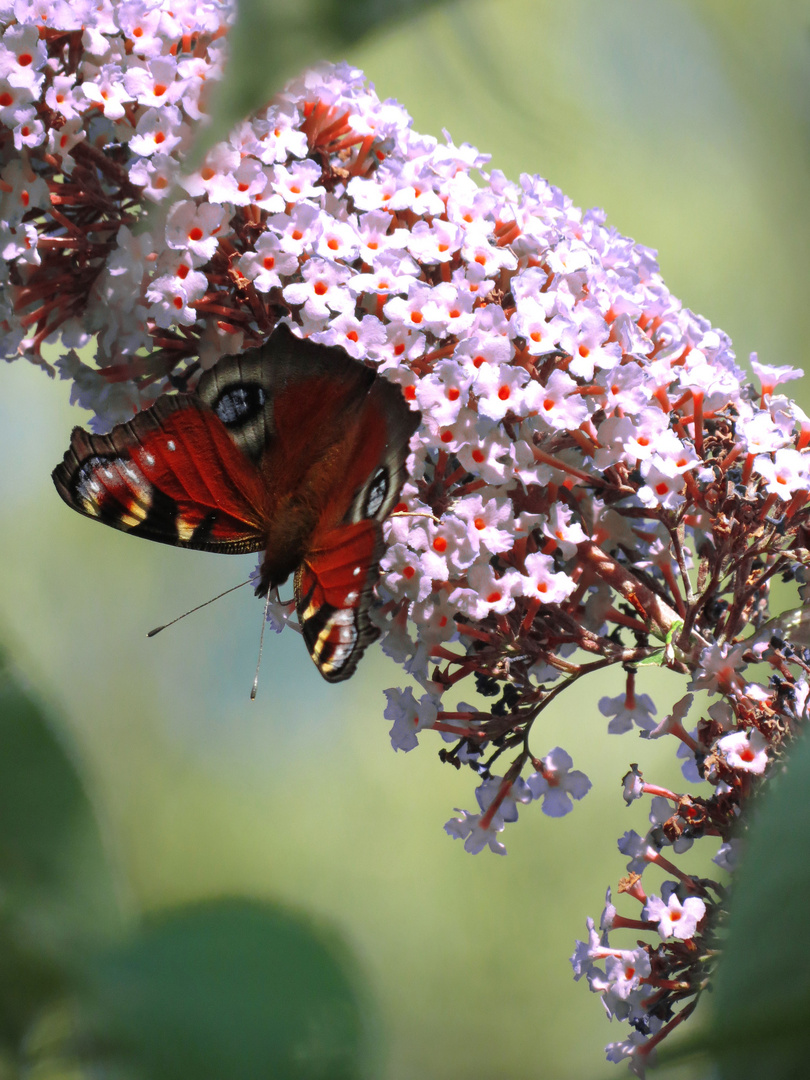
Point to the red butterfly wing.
(334, 587)
(171, 474)
(331, 440)
(294, 448)
(286, 399)
(333, 592)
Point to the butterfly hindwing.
(170, 474)
(333, 594)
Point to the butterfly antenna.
(255, 687)
(233, 588)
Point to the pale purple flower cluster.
(595, 481)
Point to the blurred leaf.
(762, 1000)
(347, 21)
(272, 40)
(232, 989)
(55, 885)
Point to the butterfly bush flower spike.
(595, 484)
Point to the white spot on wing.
(170, 445)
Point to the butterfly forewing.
(284, 396)
(170, 474)
(384, 472)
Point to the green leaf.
(55, 885)
(762, 1000)
(232, 989)
(272, 40)
(347, 21)
(655, 659)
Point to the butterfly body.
(294, 449)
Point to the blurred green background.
(689, 123)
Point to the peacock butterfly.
(294, 449)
